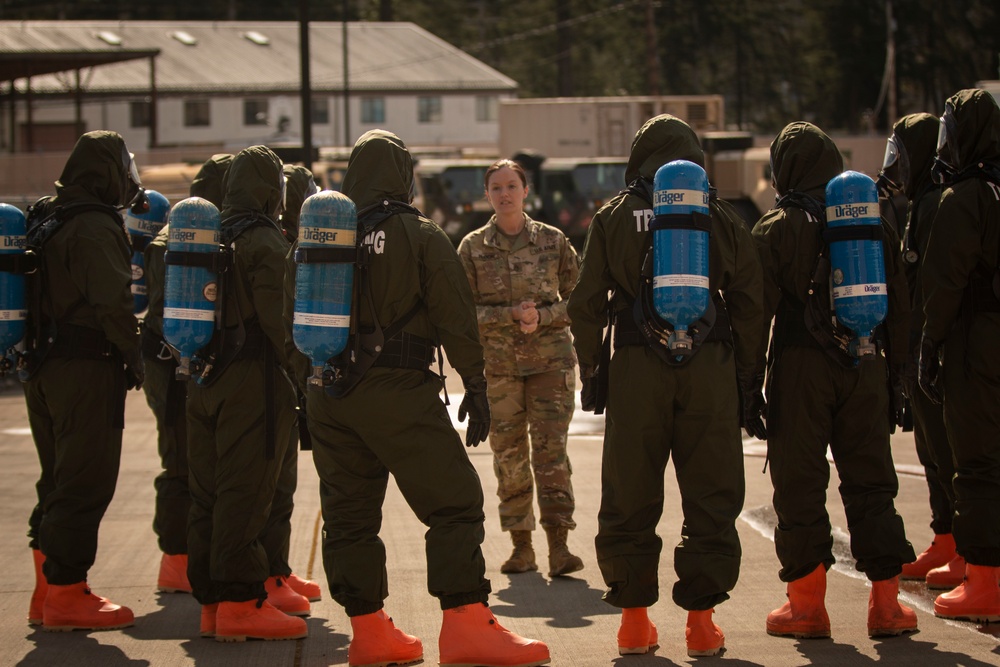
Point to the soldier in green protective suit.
(907, 169)
(961, 283)
(80, 331)
(389, 419)
(817, 398)
(241, 412)
(656, 410)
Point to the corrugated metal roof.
(382, 57)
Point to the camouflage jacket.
(539, 265)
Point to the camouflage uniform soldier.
(522, 273)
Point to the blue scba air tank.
(191, 291)
(680, 251)
(12, 295)
(324, 278)
(857, 263)
(143, 228)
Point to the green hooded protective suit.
(239, 424)
(813, 400)
(76, 398)
(394, 422)
(656, 410)
(962, 309)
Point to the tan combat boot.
(523, 557)
(561, 561)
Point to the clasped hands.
(526, 315)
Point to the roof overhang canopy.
(19, 65)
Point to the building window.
(372, 110)
(139, 114)
(429, 109)
(196, 113)
(486, 108)
(255, 111)
(320, 111)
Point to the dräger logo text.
(668, 197)
(851, 211)
(13, 242)
(317, 235)
(182, 235)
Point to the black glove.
(927, 369)
(135, 371)
(477, 407)
(897, 399)
(753, 407)
(588, 394)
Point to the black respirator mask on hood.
(947, 159)
(895, 166)
(133, 195)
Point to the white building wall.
(458, 125)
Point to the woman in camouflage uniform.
(522, 273)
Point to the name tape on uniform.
(317, 320)
(871, 289)
(192, 314)
(680, 280)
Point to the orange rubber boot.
(308, 589)
(74, 607)
(471, 635)
(208, 612)
(703, 637)
(976, 599)
(637, 634)
(282, 597)
(947, 576)
(804, 615)
(886, 617)
(41, 589)
(239, 621)
(941, 550)
(173, 576)
(377, 642)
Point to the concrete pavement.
(567, 613)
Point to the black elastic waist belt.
(79, 342)
(406, 350)
(627, 331)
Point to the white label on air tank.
(12, 315)
(206, 236)
(194, 314)
(871, 289)
(680, 280)
(317, 320)
(326, 236)
(672, 197)
(851, 211)
(15, 241)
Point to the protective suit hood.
(660, 140)
(96, 170)
(380, 167)
(207, 183)
(253, 183)
(977, 125)
(299, 184)
(918, 133)
(804, 159)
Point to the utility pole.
(890, 54)
(347, 85)
(306, 84)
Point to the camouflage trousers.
(541, 404)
